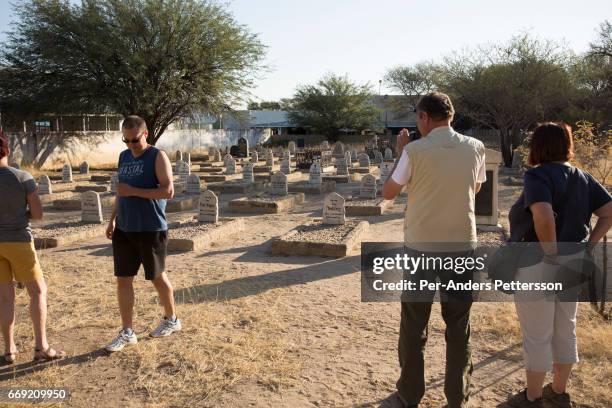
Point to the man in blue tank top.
(138, 228)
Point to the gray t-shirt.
(15, 186)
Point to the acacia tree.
(160, 59)
(414, 81)
(511, 86)
(332, 105)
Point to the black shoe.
(403, 403)
(557, 400)
(520, 400)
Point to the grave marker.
(385, 170)
(338, 149)
(183, 171)
(178, 156)
(367, 188)
(254, 157)
(285, 166)
(44, 185)
(364, 160)
(67, 174)
(188, 159)
(378, 157)
(347, 159)
(243, 147)
(230, 165)
(325, 145)
(84, 168)
(354, 155)
(291, 147)
(388, 154)
(91, 208)
(113, 182)
(269, 159)
(193, 184)
(247, 173)
(341, 167)
(279, 184)
(333, 210)
(315, 177)
(208, 207)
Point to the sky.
(364, 38)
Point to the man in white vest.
(442, 172)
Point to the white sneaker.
(166, 328)
(123, 339)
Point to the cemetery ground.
(267, 331)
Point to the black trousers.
(413, 338)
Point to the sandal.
(48, 355)
(10, 357)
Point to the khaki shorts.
(18, 261)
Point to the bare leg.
(125, 297)
(166, 294)
(7, 315)
(535, 382)
(38, 312)
(561, 374)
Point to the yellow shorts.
(18, 261)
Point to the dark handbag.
(506, 261)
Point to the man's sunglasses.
(132, 140)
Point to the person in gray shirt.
(18, 261)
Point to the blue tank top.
(136, 214)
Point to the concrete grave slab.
(194, 235)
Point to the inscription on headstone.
(67, 174)
(388, 154)
(333, 209)
(44, 185)
(367, 188)
(208, 207)
(91, 208)
(378, 157)
(279, 184)
(84, 168)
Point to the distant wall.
(107, 151)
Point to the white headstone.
(285, 166)
(367, 188)
(388, 154)
(217, 156)
(230, 165)
(44, 185)
(188, 158)
(193, 184)
(254, 157)
(269, 159)
(84, 168)
(354, 155)
(341, 167)
(67, 174)
(291, 147)
(315, 177)
(247, 173)
(91, 208)
(178, 156)
(279, 184)
(183, 170)
(364, 160)
(325, 145)
(286, 155)
(208, 207)
(113, 182)
(347, 159)
(226, 158)
(378, 157)
(333, 209)
(385, 170)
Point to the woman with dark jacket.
(560, 200)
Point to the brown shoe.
(48, 355)
(557, 400)
(520, 400)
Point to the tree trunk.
(506, 146)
